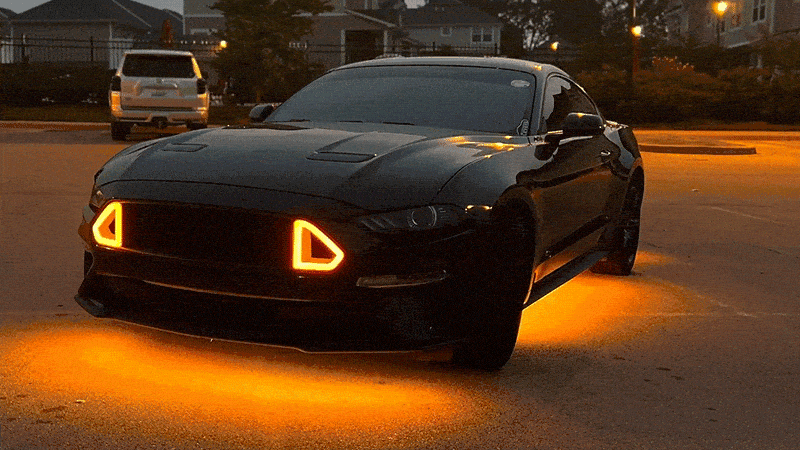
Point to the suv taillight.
(116, 84)
(201, 86)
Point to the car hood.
(369, 169)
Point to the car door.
(571, 189)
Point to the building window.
(446, 31)
(481, 35)
(735, 15)
(759, 10)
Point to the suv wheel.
(119, 131)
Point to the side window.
(562, 97)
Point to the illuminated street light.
(554, 46)
(223, 44)
(636, 31)
(719, 10)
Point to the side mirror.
(574, 125)
(260, 112)
(580, 124)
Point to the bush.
(33, 84)
(672, 92)
(743, 96)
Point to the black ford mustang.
(393, 204)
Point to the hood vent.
(340, 157)
(182, 147)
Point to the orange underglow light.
(107, 228)
(219, 391)
(302, 244)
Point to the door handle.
(605, 153)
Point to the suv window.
(158, 66)
(561, 98)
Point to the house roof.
(447, 12)
(6, 13)
(124, 12)
(383, 15)
(434, 13)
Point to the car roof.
(159, 52)
(459, 61)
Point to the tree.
(260, 58)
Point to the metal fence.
(24, 49)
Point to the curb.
(60, 126)
(697, 149)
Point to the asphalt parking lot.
(699, 349)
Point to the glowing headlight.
(422, 218)
(107, 226)
(312, 249)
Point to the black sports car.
(392, 204)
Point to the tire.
(491, 344)
(119, 131)
(625, 242)
(498, 299)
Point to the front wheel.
(491, 343)
(499, 296)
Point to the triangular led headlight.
(312, 249)
(107, 227)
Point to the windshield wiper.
(398, 123)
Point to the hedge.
(671, 92)
(34, 84)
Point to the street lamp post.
(719, 9)
(636, 33)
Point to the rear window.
(158, 66)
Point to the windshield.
(463, 98)
(158, 66)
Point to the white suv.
(157, 88)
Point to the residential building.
(349, 32)
(5, 20)
(92, 31)
(450, 23)
(743, 22)
(356, 30)
(200, 20)
(6, 45)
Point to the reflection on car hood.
(372, 169)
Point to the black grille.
(207, 233)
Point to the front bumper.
(213, 289)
